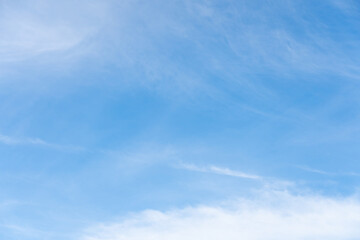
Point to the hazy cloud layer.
(32, 28)
(270, 215)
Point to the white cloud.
(313, 170)
(220, 170)
(16, 141)
(23, 231)
(32, 28)
(8, 140)
(25, 37)
(322, 172)
(271, 215)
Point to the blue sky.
(179, 119)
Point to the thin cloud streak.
(313, 170)
(220, 171)
(4, 139)
(318, 171)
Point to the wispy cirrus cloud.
(322, 172)
(32, 28)
(25, 37)
(9, 140)
(220, 170)
(269, 215)
(22, 231)
(19, 141)
(313, 170)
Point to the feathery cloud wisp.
(220, 171)
(32, 28)
(8, 140)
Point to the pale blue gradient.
(112, 107)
